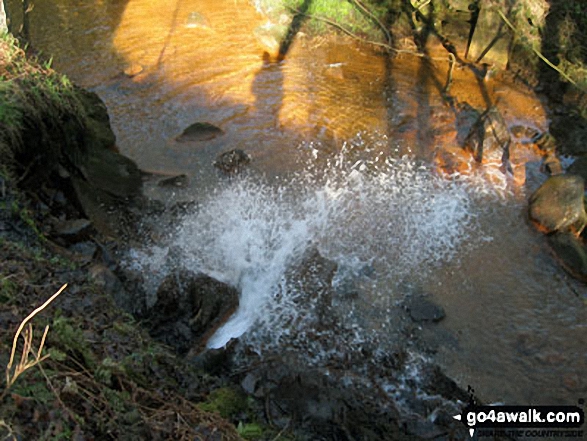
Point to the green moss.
(8, 289)
(344, 13)
(225, 401)
(65, 334)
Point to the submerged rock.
(180, 181)
(200, 131)
(232, 161)
(196, 20)
(558, 204)
(489, 140)
(422, 309)
(189, 308)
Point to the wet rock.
(558, 204)
(490, 42)
(311, 279)
(179, 181)
(571, 254)
(113, 173)
(467, 116)
(270, 36)
(200, 131)
(189, 308)
(107, 280)
(422, 309)
(85, 249)
(489, 140)
(132, 70)
(552, 165)
(524, 134)
(73, 229)
(196, 20)
(232, 161)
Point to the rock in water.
(112, 173)
(558, 204)
(422, 309)
(571, 254)
(197, 20)
(200, 131)
(190, 307)
(232, 161)
(489, 140)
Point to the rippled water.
(328, 129)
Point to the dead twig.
(27, 350)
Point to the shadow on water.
(79, 28)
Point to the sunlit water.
(328, 129)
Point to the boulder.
(558, 204)
(312, 279)
(113, 173)
(422, 309)
(571, 254)
(200, 131)
(489, 140)
(189, 307)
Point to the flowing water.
(347, 147)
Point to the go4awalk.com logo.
(527, 421)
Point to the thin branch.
(537, 52)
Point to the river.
(348, 149)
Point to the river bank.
(77, 213)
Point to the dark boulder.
(311, 279)
(558, 204)
(571, 253)
(422, 309)
(189, 308)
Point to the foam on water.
(393, 215)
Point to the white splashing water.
(393, 214)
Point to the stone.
(233, 161)
(73, 229)
(422, 309)
(491, 38)
(113, 173)
(196, 20)
(179, 181)
(200, 131)
(132, 70)
(558, 205)
(571, 253)
(552, 165)
(489, 140)
(189, 307)
(312, 278)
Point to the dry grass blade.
(25, 361)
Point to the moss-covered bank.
(105, 378)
